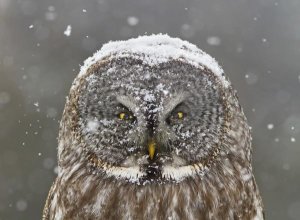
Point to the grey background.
(256, 41)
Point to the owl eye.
(126, 116)
(180, 115)
(175, 117)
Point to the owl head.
(149, 109)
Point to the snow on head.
(156, 49)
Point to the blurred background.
(44, 42)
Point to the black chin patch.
(153, 173)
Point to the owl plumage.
(152, 129)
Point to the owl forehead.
(130, 77)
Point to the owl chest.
(89, 198)
(111, 201)
(148, 202)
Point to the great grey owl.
(152, 129)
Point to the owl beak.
(151, 149)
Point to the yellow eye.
(125, 116)
(180, 115)
(122, 116)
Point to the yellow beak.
(151, 149)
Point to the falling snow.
(251, 78)
(270, 126)
(21, 205)
(292, 128)
(132, 21)
(4, 98)
(68, 31)
(187, 31)
(213, 41)
(51, 14)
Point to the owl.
(152, 129)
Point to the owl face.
(144, 123)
